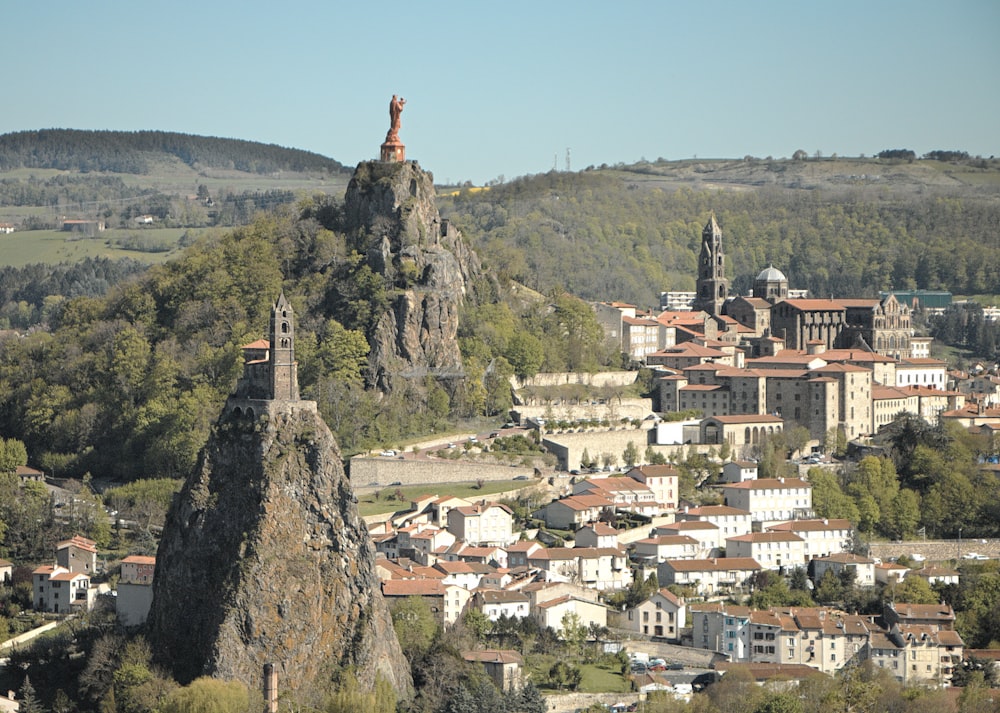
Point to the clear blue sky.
(505, 88)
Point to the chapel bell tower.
(283, 369)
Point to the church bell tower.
(283, 369)
(712, 286)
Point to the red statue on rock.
(395, 109)
(393, 149)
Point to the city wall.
(602, 378)
(935, 550)
(613, 410)
(374, 473)
(568, 447)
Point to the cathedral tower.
(712, 286)
(283, 369)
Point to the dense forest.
(126, 384)
(603, 236)
(135, 151)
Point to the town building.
(860, 569)
(662, 615)
(771, 500)
(482, 524)
(721, 575)
(730, 521)
(820, 538)
(134, 594)
(497, 603)
(58, 590)
(77, 554)
(773, 550)
(504, 667)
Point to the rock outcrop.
(391, 218)
(264, 559)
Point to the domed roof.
(771, 274)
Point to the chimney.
(270, 688)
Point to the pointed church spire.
(712, 287)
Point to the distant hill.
(834, 226)
(136, 152)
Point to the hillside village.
(751, 367)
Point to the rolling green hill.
(845, 227)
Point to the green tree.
(29, 701)
(13, 455)
(209, 695)
(525, 354)
(913, 590)
(477, 623)
(342, 353)
(630, 456)
(829, 500)
(498, 390)
(414, 624)
(349, 696)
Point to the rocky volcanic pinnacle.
(265, 559)
(391, 218)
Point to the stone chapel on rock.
(270, 373)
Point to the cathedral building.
(882, 325)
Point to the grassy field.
(602, 677)
(55, 246)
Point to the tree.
(913, 590)
(525, 354)
(414, 624)
(349, 697)
(477, 623)
(829, 500)
(13, 455)
(208, 695)
(29, 702)
(565, 675)
(630, 456)
(797, 438)
(497, 385)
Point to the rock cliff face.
(391, 218)
(265, 559)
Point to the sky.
(497, 90)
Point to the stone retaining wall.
(568, 447)
(374, 473)
(602, 378)
(612, 411)
(935, 550)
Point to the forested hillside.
(626, 234)
(127, 384)
(135, 151)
